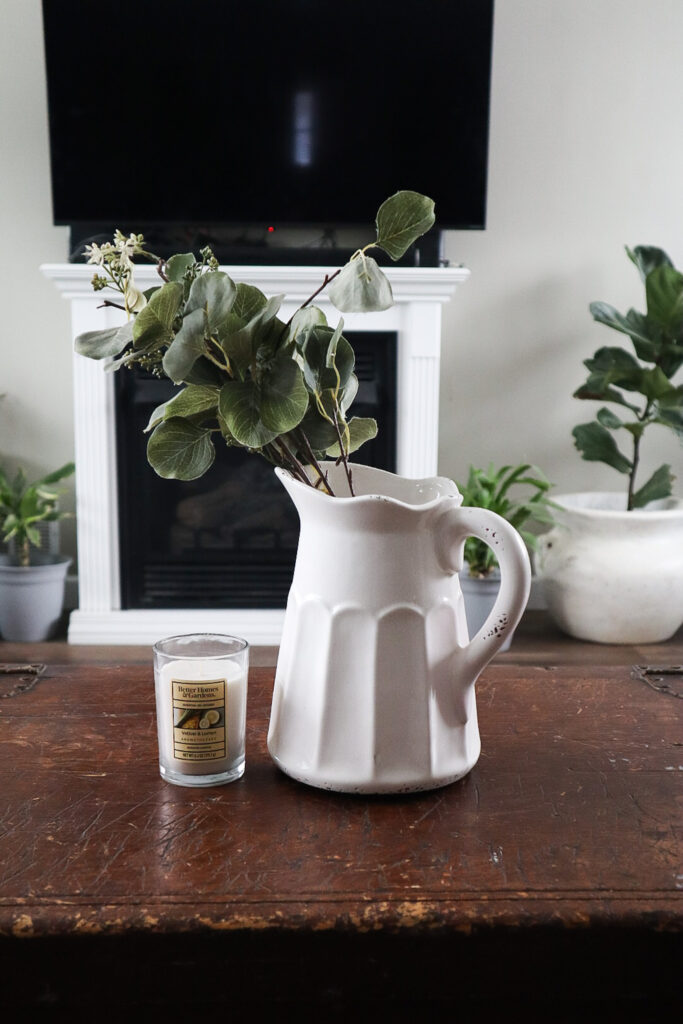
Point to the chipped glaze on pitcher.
(374, 687)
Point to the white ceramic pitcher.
(374, 688)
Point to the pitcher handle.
(455, 526)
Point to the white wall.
(36, 418)
(586, 156)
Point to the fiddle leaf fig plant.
(639, 384)
(246, 376)
(490, 488)
(23, 505)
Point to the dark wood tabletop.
(551, 876)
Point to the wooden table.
(548, 881)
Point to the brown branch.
(289, 461)
(116, 305)
(328, 278)
(323, 477)
(161, 264)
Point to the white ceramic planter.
(374, 688)
(614, 576)
(31, 599)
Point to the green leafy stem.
(280, 389)
(641, 384)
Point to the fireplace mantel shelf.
(415, 317)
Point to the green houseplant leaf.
(596, 444)
(660, 485)
(664, 294)
(492, 488)
(657, 338)
(647, 258)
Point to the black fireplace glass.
(229, 539)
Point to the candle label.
(199, 720)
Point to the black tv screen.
(266, 112)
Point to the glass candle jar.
(201, 700)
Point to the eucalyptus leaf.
(331, 359)
(321, 372)
(152, 327)
(402, 219)
(361, 287)
(249, 300)
(360, 430)
(596, 444)
(178, 265)
(240, 343)
(106, 343)
(205, 373)
(240, 407)
(179, 450)
(214, 293)
(157, 416)
(320, 432)
(284, 398)
(187, 346)
(303, 319)
(660, 485)
(349, 393)
(193, 400)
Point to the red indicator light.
(270, 229)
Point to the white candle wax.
(201, 715)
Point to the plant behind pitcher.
(639, 385)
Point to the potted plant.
(498, 490)
(374, 682)
(613, 570)
(31, 581)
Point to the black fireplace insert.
(227, 540)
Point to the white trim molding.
(415, 317)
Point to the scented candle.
(201, 701)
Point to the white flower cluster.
(118, 254)
(116, 258)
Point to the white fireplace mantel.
(419, 294)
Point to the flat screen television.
(241, 120)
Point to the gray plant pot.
(31, 598)
(479, 595)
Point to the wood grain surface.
(569, 825)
